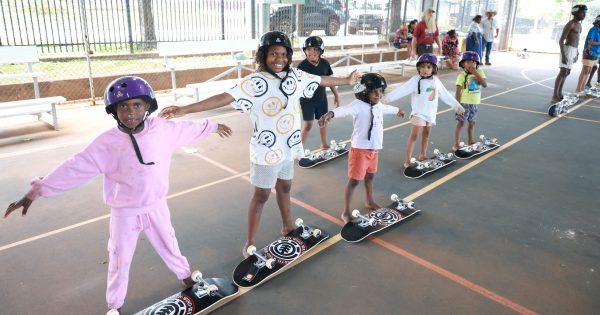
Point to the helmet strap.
(130, 131)
(281, 80)
(419, 83)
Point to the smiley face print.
(285, 123)
(266, 138)
(289, 84)
(294, 139)
(309, 91)
(272, 106)
(254, 86)
(273, 156)
(242, 105)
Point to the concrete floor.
(513, 231)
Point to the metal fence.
(61, 26)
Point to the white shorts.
(572, 55)
(265, 176)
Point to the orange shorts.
(361, 162)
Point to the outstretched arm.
(336, 81)
(212, 102)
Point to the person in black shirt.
(315, 107)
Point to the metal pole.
(129, 26)
(87, 50)
(223, 19)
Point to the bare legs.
(558, 84)
(322, 131)
(370, 203)
(470, 129)
(257, 203)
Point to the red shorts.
(361, 162)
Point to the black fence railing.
(60, 26)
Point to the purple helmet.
(469, 55)
(429, 58)
(126, 88)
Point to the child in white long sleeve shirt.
(367, 137)
(134, 158)
(425, 89)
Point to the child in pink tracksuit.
(134, 158)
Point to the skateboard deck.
(421, 168)
(476, 149)
(594, 91)
(563, 106)
(199, 299)
(266, 263)
(377, 220)
(313, 159)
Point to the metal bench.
(37, 106)
(168, 50)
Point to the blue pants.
(487, 46)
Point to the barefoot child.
(424, 88)
(314, 107)
(134, 158)
(468, 93)
(367, 137)
(271, 96)
(450, 49)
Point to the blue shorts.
(470, 113)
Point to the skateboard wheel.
(394, 197)
(449, 155)
(332, 143)
(427, 164)
(316, 232)
(494, 140)
(197, 276)
(372, 221)
(461, 144)
(307, 152)
(270, 263)
(436, 151)
(112, 312)
(413, 160)
(251, 250)
(355, 213)
(481, 137)
(410, 204)
(299, 222)
(212, 289)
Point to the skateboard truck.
(311, 156)
(307, 231)
(209, 289)
(363, 221)
(262, 261)
(441, 156)
(487, 141)
(336, 146)
(401, 204)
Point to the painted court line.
(106, 216)
(418, 260)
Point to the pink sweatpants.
(124, 233)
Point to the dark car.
(325, 15)
(367, 22)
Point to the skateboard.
(420, 168)
(377, 220)
(477, 148)
(563, 106)
(272, 260)
(198, 299)
(313, 159)
(594, 91)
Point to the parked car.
(325, 15)
(367, 22)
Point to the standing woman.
(475, 36)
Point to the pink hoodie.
(130, 188)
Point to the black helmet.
(275, 38)
(368, 83)
(314, 41)
(578, 8)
